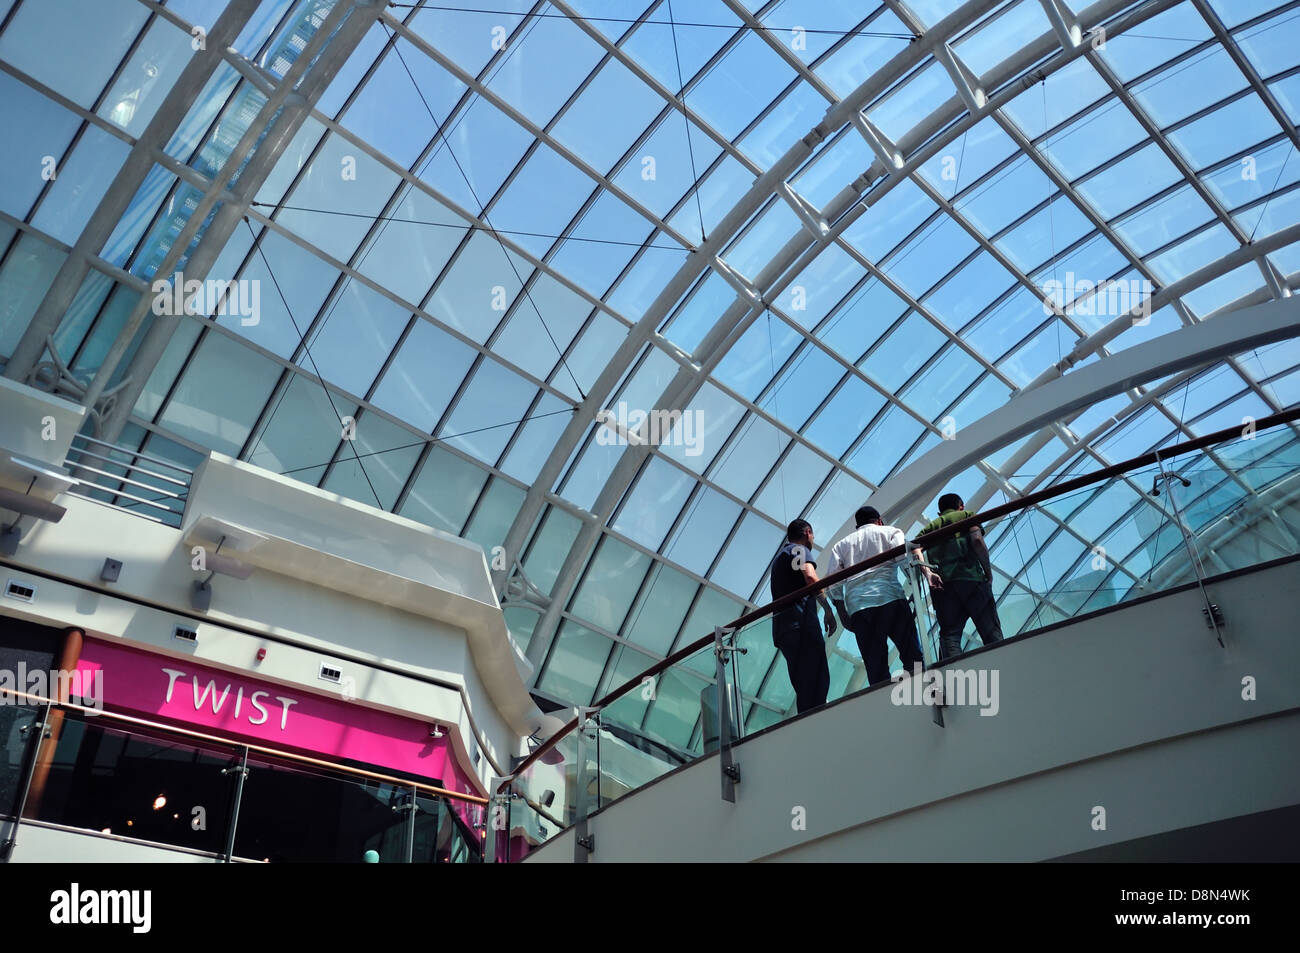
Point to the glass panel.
(549, 549)
(376, 462)
(409, 252)
(536, 437)
(702, 531)
(424, 375)
(680, 696)
(610, 584)
(659, 612)
(18, 731)
(81, 185)
(47, 130)
(85, 306)
(284, 313)
(206, 107)
(445, 833)
(627, 760)
(444, 492)
(76, 62)
(479, 288)
(744, 563)
(340, 179)
(390, 112)
(355, 338)
(139, 213)
(614, 109)
(147, 77)
(136, 784)
(652, 506)
(495, 512)
(164, 373)
(302, 433)
(220, 395)
(104, 334)
(25, 276)
(295, 814)
(577, 659)
(546, 796)
(493, 404)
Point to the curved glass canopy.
(449, 254)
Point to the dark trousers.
(872, 626)
(799, 637)
(958, 601)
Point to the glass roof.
(822, 231)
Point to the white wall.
(349, 584)
(36, 843)
(1138, 711)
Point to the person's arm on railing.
(828, 614)
(932, 577)
(810, 578)
(836, 591)
(981, 549)
(842, 611)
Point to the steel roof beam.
(283, 113)
(108, 214)
(629, 463)
(1188, 347)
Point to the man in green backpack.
(962, 588)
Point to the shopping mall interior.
(579, 431)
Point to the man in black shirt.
(795, 630)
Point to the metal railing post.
(498, 808)
(1212, 613)
(722, 652)
(240, 772)
(920, 605)
(584, 843)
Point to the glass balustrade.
(104, 774)
(1173, 523)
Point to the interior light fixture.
(39, 477)
(215, 562)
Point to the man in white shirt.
(872, 604)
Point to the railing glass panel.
(103, 777)
(1140, 528)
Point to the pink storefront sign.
(247, 709)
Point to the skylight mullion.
(1170, 152)
(781, 50)
(471, 221)
(540, 134)
(675, 102)
(925, 312)
(1067, 189)
(984, 243)
(350, 272)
